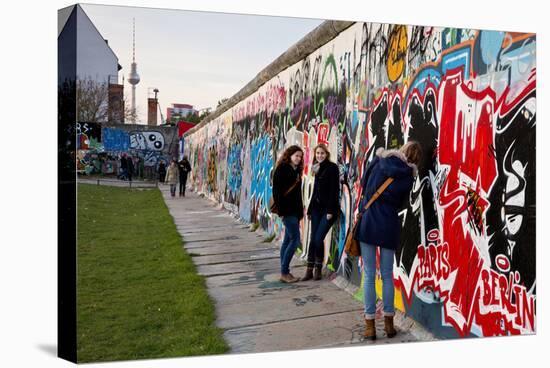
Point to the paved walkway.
(257, 312)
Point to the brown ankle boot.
(287, 279)
(370, 330)
(309, 274)
(388, 326)
(317, 273)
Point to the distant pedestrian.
(162, 171)
(141, 167)
(184, 168)
(380, 225)
(123, 167)
(323, 209)
(287, 198)
(131, 168)
(172, 177)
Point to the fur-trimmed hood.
(395, 168)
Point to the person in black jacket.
(130, 167)
(323, 209)
(123, 167)
(184, 168)
(287, 195)
(162, 171)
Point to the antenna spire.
(134, 41)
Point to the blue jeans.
(368, 253)
(319, 229)
(290, 242)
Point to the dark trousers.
(183, 182)
(319, 229)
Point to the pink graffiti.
(322, 133)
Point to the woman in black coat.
(323, 209)
(184, 168)
(287, 195)
(380, 226)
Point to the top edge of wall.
(321, 35)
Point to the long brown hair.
(413, 152)
(285, 157)
(324, 148)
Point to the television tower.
(133, 77)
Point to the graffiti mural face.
(147, 141)
(107, 144)
(469, 98)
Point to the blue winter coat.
(380, 224)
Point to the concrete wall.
(100, 146)
(466, 266)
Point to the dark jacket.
(184, 168)
(130, 166)
(162, 170)
(326, 189)
(291, 204)
(380, 224)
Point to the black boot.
(309, 274)
(317, 273)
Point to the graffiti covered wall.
(466, 264)
(100, 147)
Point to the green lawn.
(139, 295)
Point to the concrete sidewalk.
(257, 312)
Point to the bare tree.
(93, 104)
(92, 100)
(129, 115)
(124, 113)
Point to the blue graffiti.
(519, 59)
(234, 171)
(115, 139)
(261, 166)
(491, 44)
(457, 59)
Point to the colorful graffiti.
(466, 262)
(100, 148)
(88, 136)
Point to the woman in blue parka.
(380, 226)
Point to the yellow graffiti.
(398, 296)
(397, 51)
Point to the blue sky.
(194, 57)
